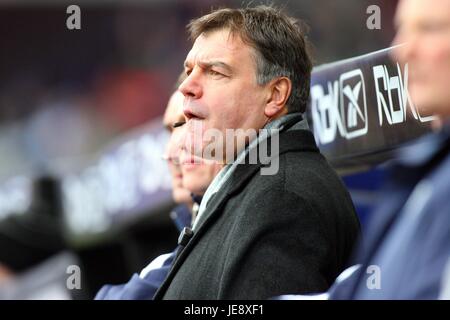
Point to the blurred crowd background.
(66, 95)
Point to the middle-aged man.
(258, 235)
(406, 253)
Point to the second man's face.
(424, 29)
(188, 176)
(173, 120)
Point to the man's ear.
(279, 92)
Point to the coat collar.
(297, 140)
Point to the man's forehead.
(417, 11)
(218, 45)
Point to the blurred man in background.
(188, 184)
(190, 179)
(409, 238)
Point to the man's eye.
(214, 73)
(178, 124)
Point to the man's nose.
(191, 86)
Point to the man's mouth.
(191, 110)
(192, 160)
(191, 115)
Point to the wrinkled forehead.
(219, 45)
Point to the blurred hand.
(5, 273)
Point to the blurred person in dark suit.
(188, 185)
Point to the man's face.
(425, 28)
(221, 91)
(173, 118)
(188, 175)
